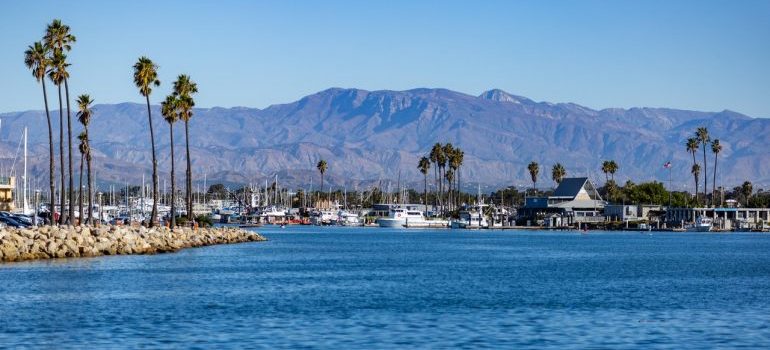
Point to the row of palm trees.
(48, 58)
(703, 140)
(177, 106)
(446, 160)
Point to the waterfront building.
(723, 218)
(574, 201)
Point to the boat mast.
(24, 204)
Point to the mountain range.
(366, 136)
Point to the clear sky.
(703, 55)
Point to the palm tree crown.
(558, 173)
(84, 109)
(36, 58)
(58, 36)
(145, 75)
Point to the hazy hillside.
(372, 135)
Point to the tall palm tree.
(84, 117)
(695, 171)
(37, 60)
(613, 169)
(83, 148)
(450, 176)
(145, 77)
(716, 147)
(534, 169)
(459, 159)
(703, 136)
(443, 160)
(322, 166)
(169, 110)
(558, 173)
(184, 87)
(57, 74)
(424, 166)
(692, 145)
(747, 189)
(59, 38)
(435, 156)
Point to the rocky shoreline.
(49, 242)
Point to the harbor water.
(328, 287)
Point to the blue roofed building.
(574, 201)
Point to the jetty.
(49, 242)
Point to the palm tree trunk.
(714, 183)
(705, 176)
(69, 156)
(154, 212)
(61, 160)
(190, 213)
(80, 192)
(425, 192)
(90, 187)
(50, 153)
(173, 181)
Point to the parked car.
(11, 222)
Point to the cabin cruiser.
(409, 217)
(471, 218)
(346, 218)
(702, 224)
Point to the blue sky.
(703, 55)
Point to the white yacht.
(702, 224)
(408, 217)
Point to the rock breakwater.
(47, 242)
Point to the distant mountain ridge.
(375, 135)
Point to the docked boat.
(702, 224)
(346, 218)
(409, 217)
(471, 218)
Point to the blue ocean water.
(377, 288)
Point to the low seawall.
(48, 242)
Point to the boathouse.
(574, 201)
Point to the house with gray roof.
(574, 201)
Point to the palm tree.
(57, 74)
(322, 166)
(534, 169)
(692, 145)
(558, 173)
(424, 166)
(37, 60)
(716, 148)
(702, 135)
(83, 148)
(435, 156)
(613, 169)
(145, 76)
(443, 158)
(168, 109)
(84, 117)
(747, 189)
(695, 171)
(450, 176)
(184, 87)
(59, 38)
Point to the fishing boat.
(409, 217)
